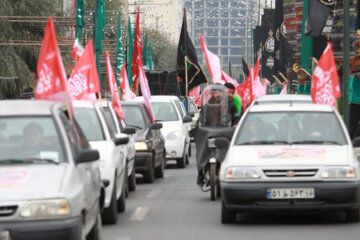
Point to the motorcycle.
(214, 126)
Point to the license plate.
(5, 235)
(290, 193)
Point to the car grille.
(289, 173)
(6, 211)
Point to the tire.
(181, 162)
(227, 216)
(132, 180)
(95, 232)
(126, 180)
(189, 149)
(212, 181)
(109, 215)
(121, 203)
(353, 215)
(149, 175)
(218, 190)
(159, 171)
(81, 233)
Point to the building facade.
(226, 26)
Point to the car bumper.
(142, 161)
(328, 196)
(49, 229)
(174, 149)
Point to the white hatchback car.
(175, 128)
(287, 98)
(119, 126)
(112, 155)
(290, 157)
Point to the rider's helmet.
(214, 105)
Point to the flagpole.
(346, 64)
(186, 78)
(68, 105)
(100, 100)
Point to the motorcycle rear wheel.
(213, 181)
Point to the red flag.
(84, 78)
(124, 84)
(325, 84)
(113, 88)
(257, 88)
(77, 50)
(213, 62)
(245, 91)
(145, 91)
(226, 78)
(195, 92)
(284, 90)
(50, 69)
(137, 56)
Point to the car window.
(290, 127)
(177, 103)
(192, 107)
(108, 115)
(133, 117)
(165, 111)
(32, 139)
(112, 131)
(90, 123)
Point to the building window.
(235, 33)
(224, 3)
(236, 42)
(224, 23)
(199, 5)
(213, 50)
(212, 32)
(224, 51)
(224, 13)
(213, 13)
(213, 4)
(199, 23)
(224, 42)
(212, 23)
(199, 13)
(224, 32)
(235, 51)
(212, 41)
(235, 60)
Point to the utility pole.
(346, 64)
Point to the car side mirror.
(187, 119)
(356, 142)
(87, 155)
(129, 130)
(191, 115)
(156, 126)
(121, 140)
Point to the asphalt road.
(174, 208)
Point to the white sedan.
(112, 155)
(175, 128)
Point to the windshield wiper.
(133, 126)
(264, 143)
(315, 142)
(27, 160)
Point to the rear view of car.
(290, 158)
(49, 176)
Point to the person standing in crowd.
(234, 113)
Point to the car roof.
(285, 98)
(28, 107)
(291, 107)
(83, 104)
(132, 102)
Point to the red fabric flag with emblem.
(137, 56)
(84, 80)
(245, 91)
(113, 88)
(50, 69)
(124, 84)
(145, 91)
(325, 84)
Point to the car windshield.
(192, 107)
(290, 128)
(133, 117)
(90, 123)
(165, 111)
(30, 140)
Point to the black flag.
(245, 68)
(186, 52)
(316, 18)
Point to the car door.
(89, 172)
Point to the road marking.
(139, 214)
(153, 194)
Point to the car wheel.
(159, 171)
(109, 216)
(121, 205)
(81, 230)
(353, 215)
(181, 162)
(95, 232)
(189, 151)
(149, 175)
(227, 216)
(132, 180)
(126, 180)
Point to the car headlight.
(241, 173)
(173, 135)
(338, 172)
(46, 208)
(141, 146)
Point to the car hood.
(170, 126)
(288, 155)
(25, 182)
